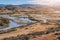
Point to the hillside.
(35, 21)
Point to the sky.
(42, 2)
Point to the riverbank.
(37, 27)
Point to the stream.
(16, 21)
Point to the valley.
(29, 23)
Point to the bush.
(4, 22)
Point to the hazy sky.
(44, 2)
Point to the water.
(26, 20)
(14, 24)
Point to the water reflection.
(13, 22)
(12, 25)
(25, 20)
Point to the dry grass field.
(36, 31)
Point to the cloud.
(45, 2)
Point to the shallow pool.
(14, 24)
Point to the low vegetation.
(4, 22)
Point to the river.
(16, 21)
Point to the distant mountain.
(31, 5)
(24, 5)
(3, 4)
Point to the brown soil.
(37, 27)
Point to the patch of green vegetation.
(4, 22)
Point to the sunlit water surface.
(13, 24)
